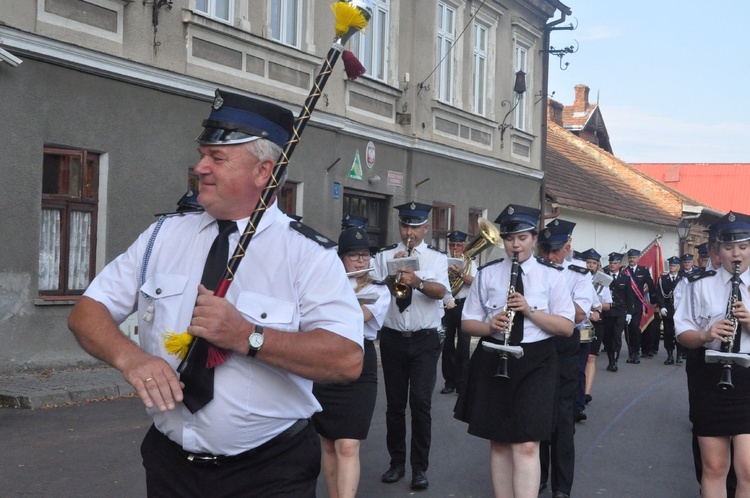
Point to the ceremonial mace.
(351, 16)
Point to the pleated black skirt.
(347, 408)
(515, 410)
(714, 411)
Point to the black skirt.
(347, 408)
(714, 411)
(515, 410)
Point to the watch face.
(256, 340)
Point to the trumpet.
(400, 289)
(725, 383)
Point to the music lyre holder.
(740, 359)
(514, 351)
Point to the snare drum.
(587, 334)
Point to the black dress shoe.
(393, 474)
(447, 390)
(580, 417)
(419, 480)
(678, 361)
(560, 494)
(650, 355)
(587, 399)
(614, 367)
(630, 360)
(542, 486)
(669, 360)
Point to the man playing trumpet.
(409, 342)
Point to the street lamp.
(683, 229)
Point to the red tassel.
(216, 356)
(354, 69)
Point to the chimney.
(555, 112)
(581, 103)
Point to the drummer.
(515, 412)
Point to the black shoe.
(542, 486)
(587, 399)
(580, 417)
(393, 474)
(630, 360)
(614, 366)
(678, 361)
(650, 355)
(637, 360)
(447, 390)
(560, 494)
(419, 480)
(669, 360)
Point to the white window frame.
(282, 34)
(211, 9)
(479, 68)
(371, 47)
(446, 37)
(521, 117)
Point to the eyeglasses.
(356, 256)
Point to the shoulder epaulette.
(578, 269)
(392, 246)
(695, 276)
(312, 234)
(196, 210)
(551, 265)
(436, 249)
(490, 264)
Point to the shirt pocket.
(164, 285)
(267, 311)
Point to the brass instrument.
(488, 236)
(400, 289)
(725, 382)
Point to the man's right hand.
(154, 380)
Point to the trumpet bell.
(488, 236)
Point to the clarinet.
(502, 368)
(725, 382)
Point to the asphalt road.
(635, 443)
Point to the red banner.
(652, 259)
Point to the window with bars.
(286, 21)
(221, 10)
(67, 237)
(371, 46)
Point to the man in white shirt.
(290, 317)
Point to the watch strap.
(253, 351)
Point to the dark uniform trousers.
(561, 446)
(612, 341)
(286, 468)
(633, 335)
(456, 348)
(409, 374)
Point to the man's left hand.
(217, 320)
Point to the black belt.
(409, 333)
(208, 458)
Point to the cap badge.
(731, 217)
(547, 234)
(511, 210)
(218, 101)
(556, 222)
(358, 235)
(413, 206)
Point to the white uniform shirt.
(581, 289)
(285, 282)
(705, 303)
(544, 287)
(464, 291)
(379, 308)
(423, 312)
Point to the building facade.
(102, 101)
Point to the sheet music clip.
(491, 347)
(740, 359)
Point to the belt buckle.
(406, 333)
(203, 459)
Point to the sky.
(671, 77)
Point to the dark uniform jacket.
(622, 298)
(642, 278)
(665, 289)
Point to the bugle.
(401, 290)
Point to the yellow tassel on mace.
(177, 344)
(347, 16)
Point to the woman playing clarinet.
(509, 399)
(347, 408)
(712, 318)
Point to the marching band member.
(666, 286)
(456, 346)
(515, 412)
(603, 297)
(641, 284)
(705, 321)
(409, 343)
(618, 316)
(558, 454)
(347, 408)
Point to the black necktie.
(516, 333)
(198, 379)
